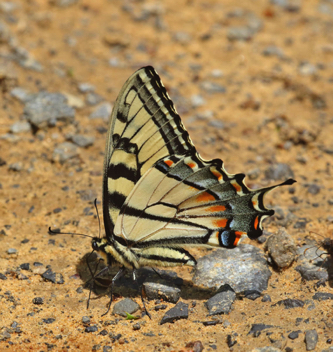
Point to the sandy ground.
(276, 108)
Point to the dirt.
(275, 109)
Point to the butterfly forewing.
(144, 127)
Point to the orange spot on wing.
(256, 223)
(205, 197)
(220, 222)
(239, 235)
(168, 162)
(237, 187)
(191, 165)
(216, 208)
(254, 203)
(217, 175)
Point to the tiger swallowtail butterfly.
(159, 195)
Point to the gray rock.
(64, 152)
(155, 290)
(313, 188)
(25, 59)
(273, 50)
(8, 6)
(312, 266)
(288, 5)
(307, 69)
(322, 296)
(93, 98)
(221, 302)
(82, 140)
(216, 123)
(290, 303)
(102, 111)
(255, 328)
(278, 171)
(240, 33)
(45, 109)
(243, 268)
(18, 166)
(4, 335)
(281, 248)
(212, 87)
(311, 339)
(20, 126)
(20, 94)
(11, 251)
(10, 137)
(64, 3)
(86, 87)
(179, 311)
(126, 305)
(55, 278)
(197, 100)
(182, 37)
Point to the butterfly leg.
(141, 294)
(119, 274)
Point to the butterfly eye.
(95, 246)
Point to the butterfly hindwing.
(144, 127)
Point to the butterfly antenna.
(99, 221)
(58, 232)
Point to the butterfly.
(159, 195)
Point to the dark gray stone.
(266, 298)
(294, 334)
(155, 290)
(25, 266)
(4, 335)
(243, 268)
(252, 294)
(290, 303)
(281, 248)
(3, 277)
(46, 109)
(255, 328)
(64, 151)
(313, 188)
(55, 278)
(38, 300)
(221, 302)
(82, 140)
(93, 328)
(322, 296)
(278, 171)
(311, 339)
(179, 311)
(85, 320)
(126, 305)
(49, 320)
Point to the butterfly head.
(98, 245)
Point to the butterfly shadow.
(126, 286)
